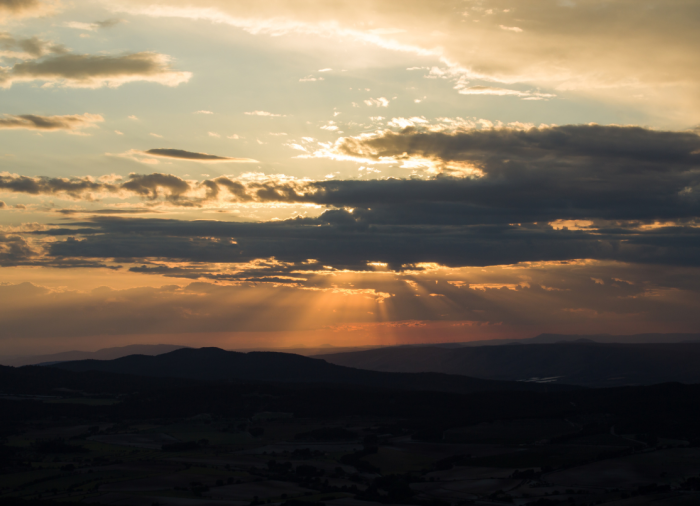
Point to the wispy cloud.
(50, 123)
(95, 71)
(151, 156)
(264, 113)
(93, 26)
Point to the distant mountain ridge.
(311, 351)
(218, 364)
(102, 354)
(581, 362)
(558, 338)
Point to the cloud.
(559, 297)
(73, 187)
(95, 71)
(492, 90)
(555, 50)
(616, 175)
(264, 113)
(189, 155)
(152, 185)
(50, 123)
(181, 154)
(2, 205)
(501, 195)
(27, 48)
(203, 112)
(377, 102)
(94, 26)
(27, 8)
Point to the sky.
(290, 173)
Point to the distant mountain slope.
(560, 338)
(656, 338)
(103, 354)
(577, 363)
(217, 364)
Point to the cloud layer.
(611, 50)
(518, 194)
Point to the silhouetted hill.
(217, 364)
(103, 354)
(577, 363)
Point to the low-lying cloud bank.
(340, 240)
(522, 300)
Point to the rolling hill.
(217, 364)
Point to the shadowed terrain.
(581, 362)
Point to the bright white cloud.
(264, 113)
(377, 102)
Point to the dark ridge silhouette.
(103, 354)
(217, 364)
(580, 362)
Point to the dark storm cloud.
(625, 181)
(558, 173)
(588, 141)
(584, 172)
(573, 172)
(338, 239)
(48, 123)
(14, 250)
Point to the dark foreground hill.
(583, 363)
(217, 364)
